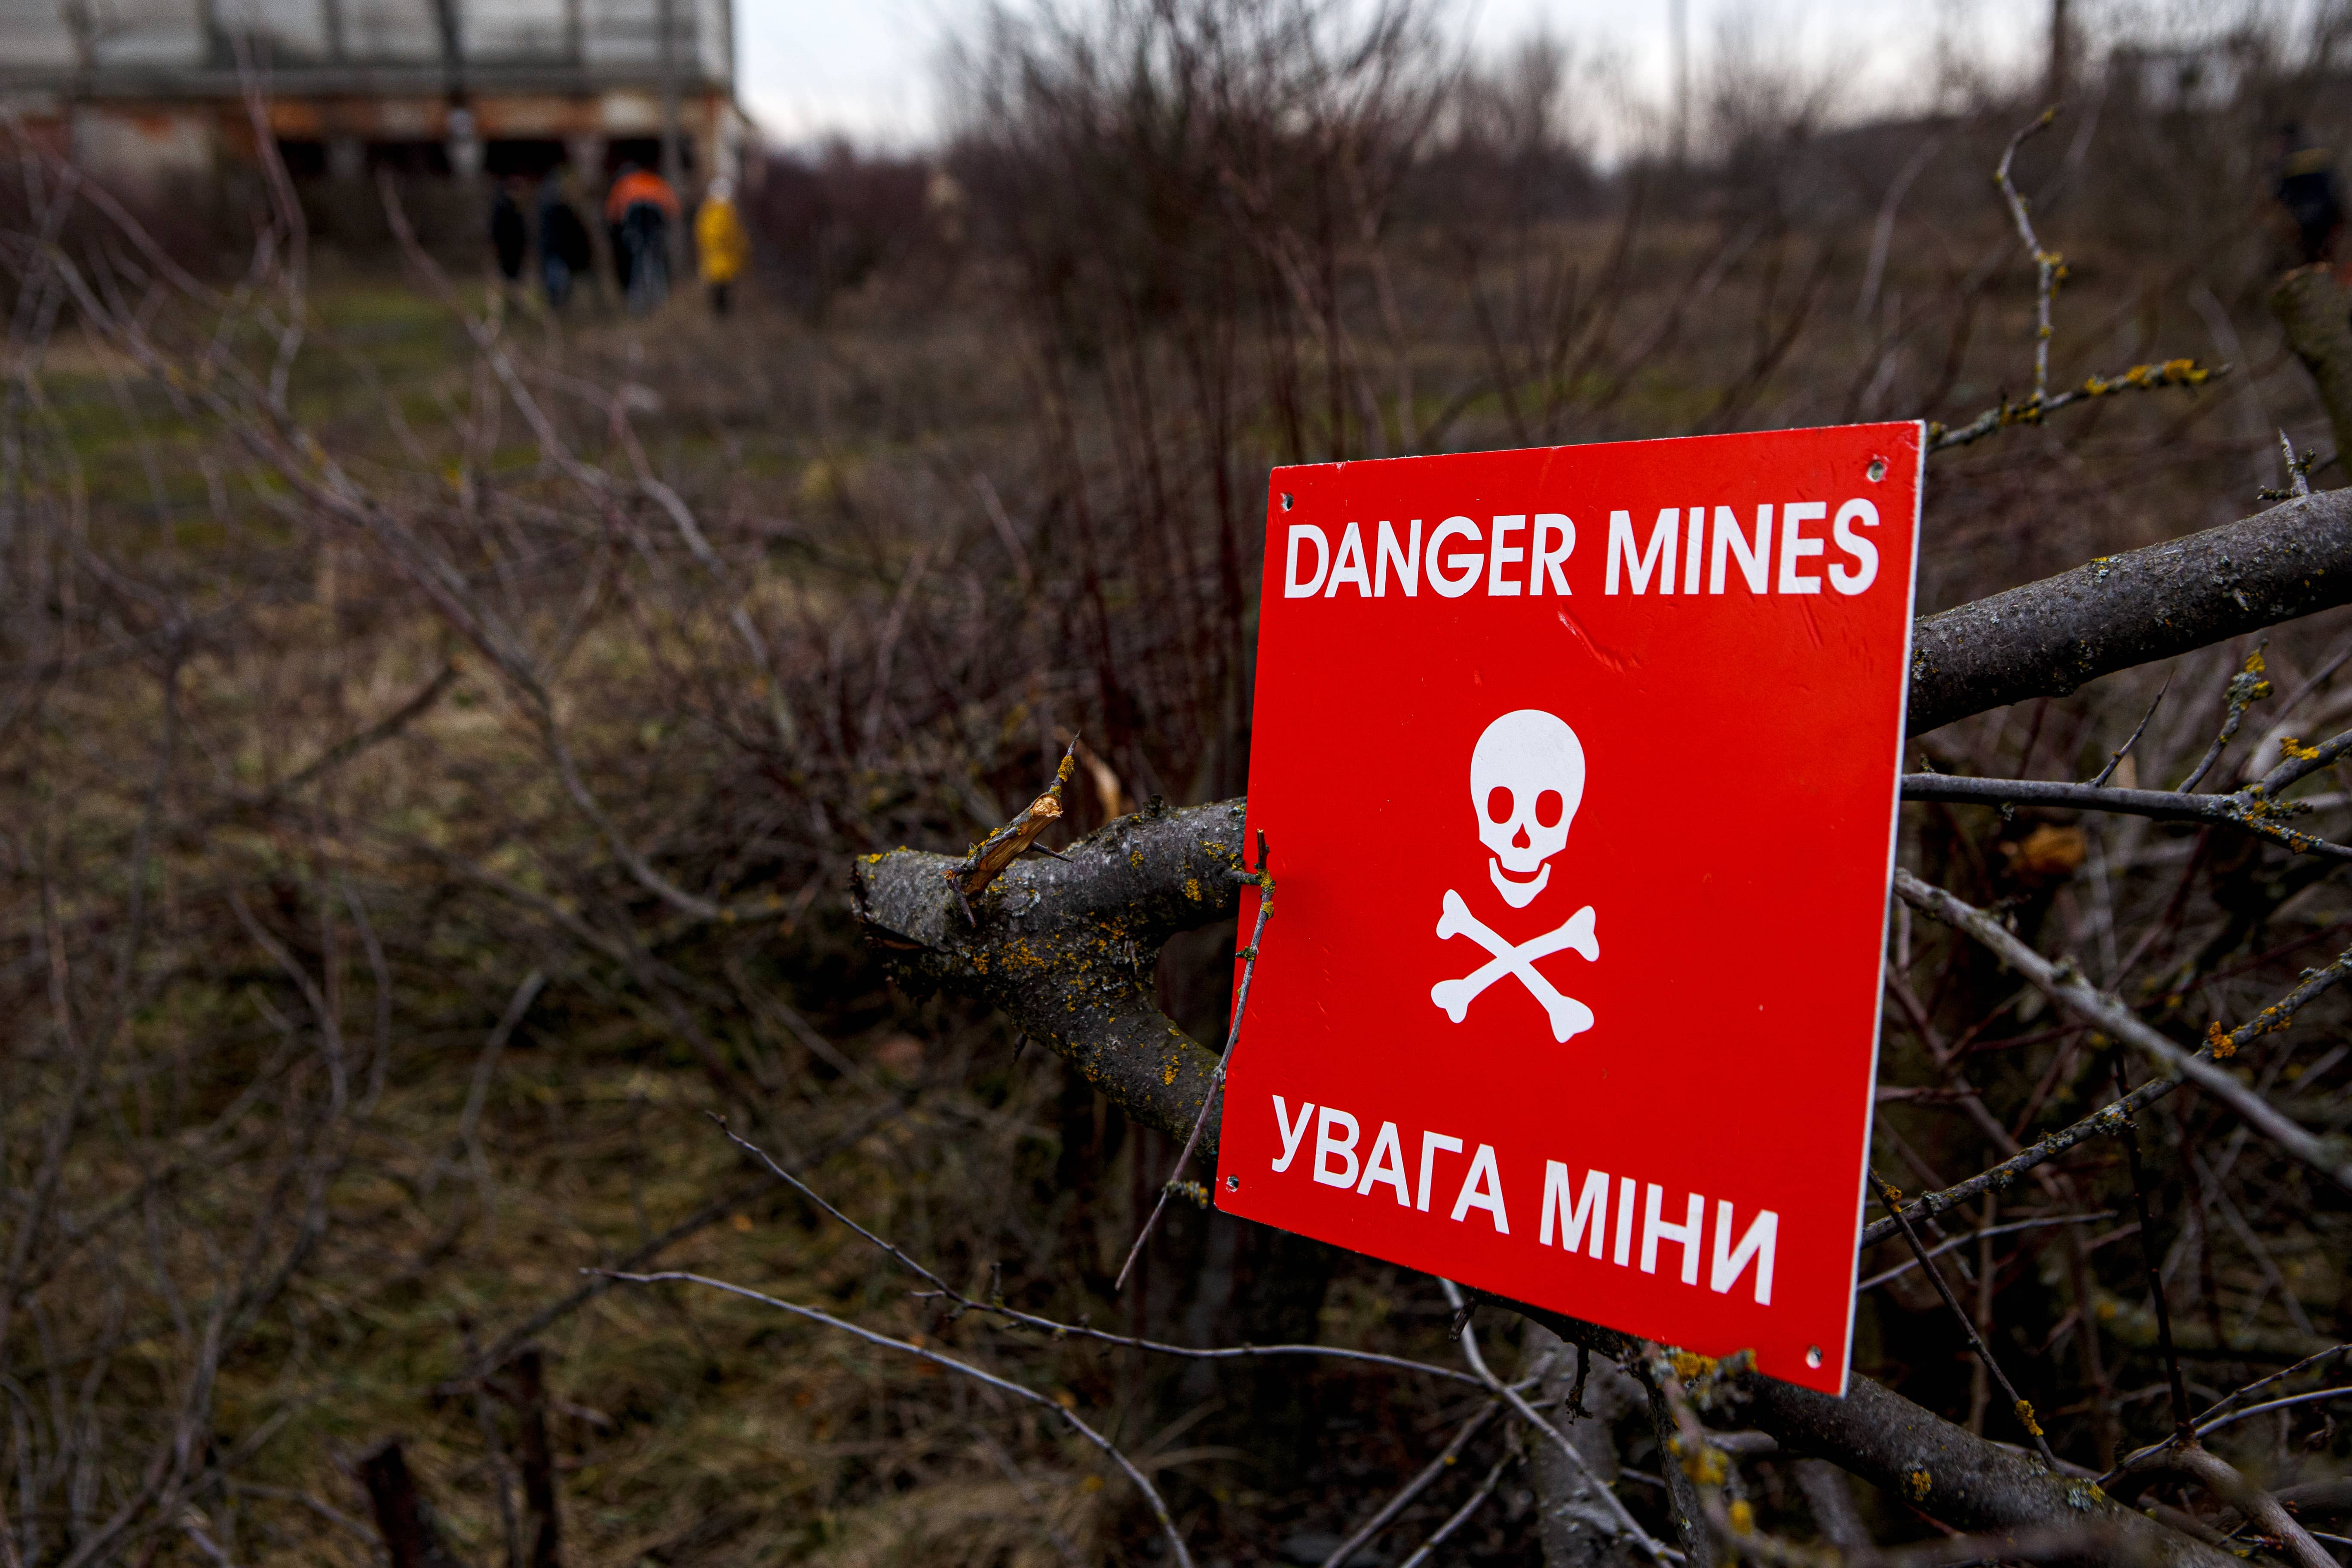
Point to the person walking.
(2303, 181)
(564, 250)
(509, 235)
(720, 246)
(640, 207)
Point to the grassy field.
(430, 783)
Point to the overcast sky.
(865, 68)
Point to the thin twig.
(1347, 1550)
(1477, 1500)
(2018, 1402)
(2150, 1255)
(2146, 377)
(923, 1352)
(1985, 1234)
(1655, 1549)
(2254, 809)
(2221, 1415)
(962, 1303)
(2123, 751)
(2049, 266)
(2315, 1396)
(2108, 1119)
(2230, 1399)
(2066, 987)
(1264, 878)
(2246, 687)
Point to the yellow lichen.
(1706, 1467)
(2218, 1041)
(1743, 1517)
(1688, 1364)
(2025, 1416)
(1916, 1483)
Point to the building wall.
(152, 91)
(42, 41)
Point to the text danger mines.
(1637, 1226)
(1767, 547)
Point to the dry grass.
(966, 520)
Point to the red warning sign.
(1579, 770)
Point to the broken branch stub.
(992, 855)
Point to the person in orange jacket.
(720, 245)
(640, 207)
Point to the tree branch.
(2047, 639)
(2247, 812)
(2065, 986)
(1066, 948)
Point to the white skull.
(1527, 777)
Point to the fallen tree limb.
(1945, 1470)
(1952, 1475)
(2047, 639)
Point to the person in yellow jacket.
(719, 242)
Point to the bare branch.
(2067, 988)
(2047, 639)
(1894, 1201)
(2247, 812)
(1264, 880)
(1625, 1523)
(994, 1307)
(1026, 1396)
(2110, 1119)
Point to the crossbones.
(1568, 1016)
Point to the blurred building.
(147, 91)
(2200, 79)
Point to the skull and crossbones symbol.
(1527, 778)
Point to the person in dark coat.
(509, 235)
(640, 207)
(565, 249)
(2304, 180)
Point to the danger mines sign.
(1579, 768)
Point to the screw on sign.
(1671, 675)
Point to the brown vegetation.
(435, 740)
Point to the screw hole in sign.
(1285, 503)
(1814, 1357)
(1877, 471)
